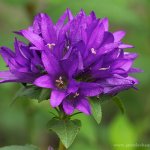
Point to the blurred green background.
(25, 121)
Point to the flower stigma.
(60, 83)
(50, 45)
(105, 68)
(93, 51)
(76, 95)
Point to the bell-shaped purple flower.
(24, 65)
(77, 58)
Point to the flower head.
(24, 65)
(77, 58)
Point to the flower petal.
(70, 15)
(119, 35)
(37, 24)
(68, 106)
(70, 65)
(135, 70)
(115, 89)
(105, 23)
(50, 63)
(47, 29)
(124, 64)
(34, 38)
(108, 38)
(57, 97)
(7, 76)
(90, 89)
(83, 105)
(96, 37)
(128, 55)
(62, 19)
(119, 81)
(107, 48)
(25, 77)
(20, 56)
(80, 59)
(73, 86)
(124, 46)
(6, 54)
(44, 81)
(15, 76)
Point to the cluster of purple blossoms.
(76, 58)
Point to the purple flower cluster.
(76, 58)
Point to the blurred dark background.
(25, 121)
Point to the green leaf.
(119, 103)
(26, 147)
(32, 92)
(44, 95)
(66, 130)
(96, 109)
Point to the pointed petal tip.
(92, 14)
(33, 38)
(56, 98)
(119, 35)
(105, 22)
(125, 46)
(68, 107)
(68, 9)
(18, 32)
(44, 81)
(83, 105)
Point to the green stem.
(62, 116)
(61, 146)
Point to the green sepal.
(66, 130)
(96, 109)
(119, 103)
(32, 92)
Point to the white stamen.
(60, 81)
(93, 51)
(68, 47)
(50, 45)
(105, 68)
(76, 95)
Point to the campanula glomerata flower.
(77, 58)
